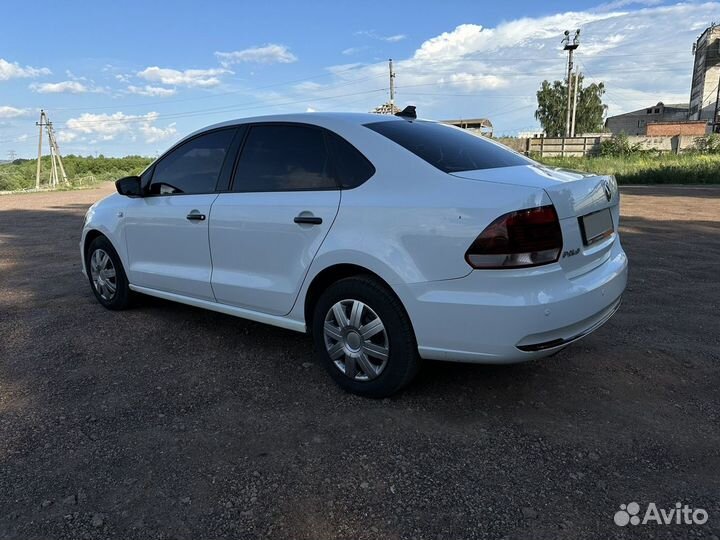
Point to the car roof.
(324, 119)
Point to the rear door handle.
(195, 216)
(308, 220)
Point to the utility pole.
(41, 124)
(716, 118)
(570, 45)
(575, 101)
(55, 159)
(392, 87)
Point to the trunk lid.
(582, 202)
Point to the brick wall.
(670, 129)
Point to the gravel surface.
(166, 421)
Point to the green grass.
(81, 171)
(648, 169)
(632, 169)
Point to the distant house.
(478, 126)
(386, 108)
(636, 122)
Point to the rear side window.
(192, 167)
(351, 167)
(284, 158)
(447, 148)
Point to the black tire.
(403, 361)
(121, 297)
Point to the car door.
(265, 232)
(167, 230)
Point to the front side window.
(192, 167)
(284, 157)
(447, 148)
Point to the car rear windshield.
(447, 148)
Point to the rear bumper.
(508, 316)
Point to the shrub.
(619, 145)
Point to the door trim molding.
(274, 320)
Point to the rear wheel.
(106, 274)
(364, 337)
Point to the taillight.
(518, 239)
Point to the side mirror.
(129, 186)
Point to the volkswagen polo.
(390, 239)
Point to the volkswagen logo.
(607, 189)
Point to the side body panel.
(166, 251)
(260, 255)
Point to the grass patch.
(81, 171)
(647, 168)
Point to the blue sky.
(132, 77)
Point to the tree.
(552, 107)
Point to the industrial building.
(695, 118)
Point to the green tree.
(552, 107)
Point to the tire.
(105, 273)
(353, 353)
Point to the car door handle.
(308, 220)
(194, 216)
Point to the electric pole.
(716, 118)
(392, 87)
(575, 101)
(41, 124)
(55, 160)
(570, 45)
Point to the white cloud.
(107, 127)
(394, 38)
(66, 136)
(201, 78)
(354, 50)
(13, 112)
(272, 53)
(476, 82)
(494, 72)
(617, 4)
(13, 70)
(64, 87)
(148, 90)
(153, 133)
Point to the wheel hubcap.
(103, 274)
(356, 340)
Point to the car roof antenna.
(407, 112)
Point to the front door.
(266, 232)
(167, 230)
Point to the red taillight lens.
(518, 239)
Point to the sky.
(132, 77)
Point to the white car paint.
(410, 225)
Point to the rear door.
(265, 232)
(167, 230)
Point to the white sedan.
(390, 239)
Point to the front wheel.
(106, 274)
(364, 337)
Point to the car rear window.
(447, 148)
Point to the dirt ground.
(167, 421)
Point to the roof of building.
(669, 107)
(485, 122)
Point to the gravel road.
(167, 421)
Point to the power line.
(220, 94)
